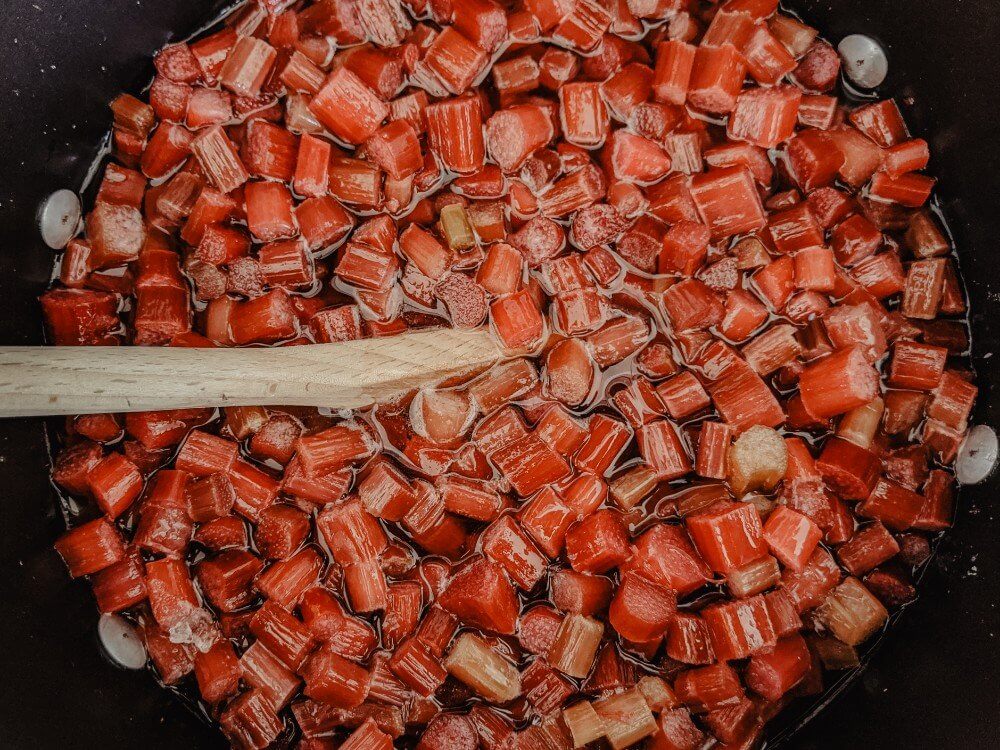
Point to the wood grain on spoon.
(42, 381)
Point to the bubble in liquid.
(865, 62)
(978, 455)
(59, 218)
(120, 641)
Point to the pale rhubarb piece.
(575, 645)
(626, 718)
(852, 613)
(757, 460)
(473, 662)
(584, 723)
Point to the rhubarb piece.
(455, 133)
(819, 67)
(546, 519)
(250, 721)
(728, 536)
(332, 448)
(716, 78)
(582, 28)
(633, 158)
(641, 611)
(851, 612)
(896, 506)
(791, 537)
(90, 548)
(916, 366)
(414, 664)
(881, 122)
(333, 680)
(676, 731)
(474, 663)
(368, 736)
(579, 593)
(739, 628)
(480, 595)
(672, 76)
(575, 645)
(709, 688)
(756, 460)
(529, 464)
(583, 723)
(727, 201)
(347, 107)
(765, 117)
(505, 543)
(813, 159)
(395, 148)
(867, 549)
(514, 133)
(247, 67)
(774, 674)
(626, 718)
(662, 450)
(598, 543)
(454, 60)
(441, 416)
(447, 731)
(838, 383)
(218, 158)
(713, 449)
(569, 372)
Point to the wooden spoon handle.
(43, 381)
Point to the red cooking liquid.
(721, 443)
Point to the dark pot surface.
(932, 683)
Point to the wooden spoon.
(42, 381)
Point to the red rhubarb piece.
(716, 78)
(91, 547)
(598, 543)
(727, 201)
(838, 383)
(791, 537)
(514, 133)
(765, 117)
(348, 107)
(480, 595)
(455, 133)
(728, 536)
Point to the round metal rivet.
(865, 62)
(978, 455)
(120, 641)
(59, 218)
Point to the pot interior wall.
(932, 683)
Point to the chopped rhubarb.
(838, 383)
(489, 674)
(512, 134)
(728, 536)
(717, 75)
(852, 613)
(481, 596)
(333, 680)
(691, 250)
(348, 107)
(575, 645)
(455, 133)
(91, 548)
(598, 543)
(626, 718)
(727, 201)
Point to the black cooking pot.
(931, 684)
